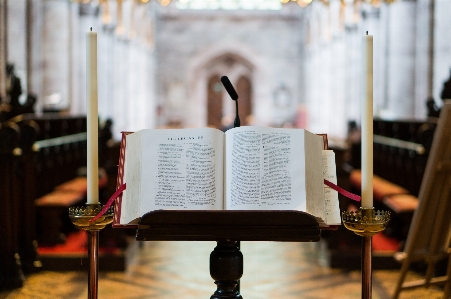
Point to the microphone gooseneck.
(232, 93)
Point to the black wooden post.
(226, 268)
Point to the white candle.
(92, 119)
(367, 125)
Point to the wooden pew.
(57, 162)
(400, 157)
(41, 157)
(401, 150)
(26, 178)
(11, 215)
(58, 154)
(27, 230)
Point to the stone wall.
(265, 45)
(154, 61)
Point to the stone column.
(82, 20)
(424, 56)
(106, 72)
(401, 59)
(121, 69)
(135, 67)
(34, 46)
(323, 101)
(373, 21)
(3, 52)
(338, 121)
(17, 41)
(141, 86)
(313, 69)
(150, 69)
(56, 54)
(381, 67)
(310, 84)
(353, 40)
(120, 83)
(442, 46)
(76, 51)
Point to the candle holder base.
(81, 217)
(366, 222)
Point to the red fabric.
(380, 242)
(76, 243)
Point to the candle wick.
(366, 32)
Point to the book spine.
(120, 180)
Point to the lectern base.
(226, 268)
(221, 294)
(226, 228)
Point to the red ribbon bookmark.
(109, 202)
(342, 191)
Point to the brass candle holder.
(82, 218)
(366, 222)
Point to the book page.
(264, 169)
(330, 196)
(131, 195)
(314, 178)
(175, 169)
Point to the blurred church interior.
(295, 64)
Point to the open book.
(245, 168)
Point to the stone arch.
(214, 101)
(244, 89)
(234, 60)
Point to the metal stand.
(366, 223)
(366, 268)
(81, 216)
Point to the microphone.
(232, 93)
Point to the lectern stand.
(227, 228)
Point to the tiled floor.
(169, 270)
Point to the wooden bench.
(401, 150)
(53, 223)
(402, 206)
(80, 184)
(401, 203)
(381, 187)
(54, 149)
(10, 212)
(42, 156)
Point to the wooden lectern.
(227, 228)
